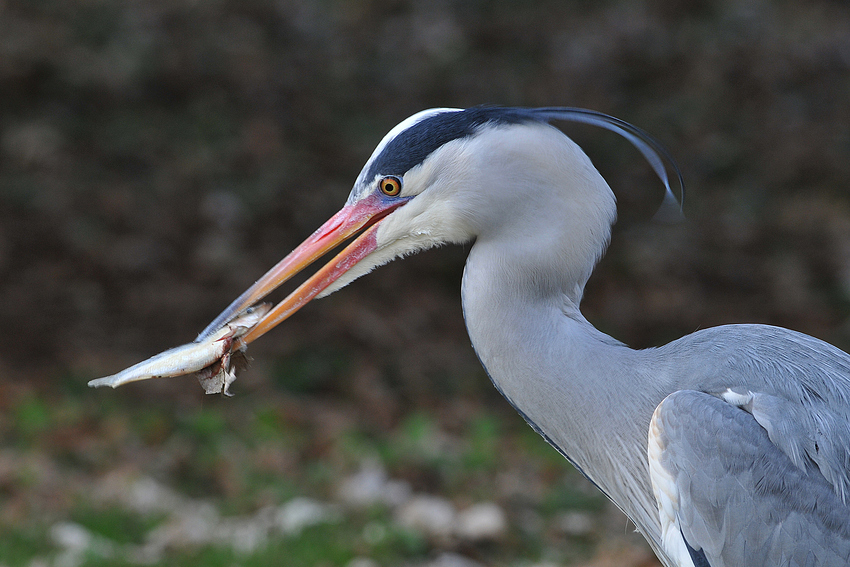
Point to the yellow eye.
(390, 186)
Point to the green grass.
(32, 417)
(19, 545)
(114, 523)
(244, 455)
(482, 444)
(566, 496)
(371, 534)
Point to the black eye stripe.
(412, 146)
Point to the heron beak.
(366, 213)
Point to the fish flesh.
(210, 357)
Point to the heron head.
(443, 176)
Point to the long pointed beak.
(366, 213)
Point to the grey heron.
(727, 447)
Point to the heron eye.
(390, 186)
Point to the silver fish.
(214, 351)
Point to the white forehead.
(398, 129)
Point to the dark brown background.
(157, 157)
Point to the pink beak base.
(367, 212)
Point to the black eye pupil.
(390, 186)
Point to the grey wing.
(729, 496)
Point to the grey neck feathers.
(587, 393)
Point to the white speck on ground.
(484, 521)
(370, 486)
(452, 560)
(575, 523)
(300, 513)
(430, 515)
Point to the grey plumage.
(728, 447)
(741, 499)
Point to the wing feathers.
(736, 496)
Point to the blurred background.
(157, 156)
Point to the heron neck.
(589, 395)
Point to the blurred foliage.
(117, 524)
(157, 156)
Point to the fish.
(210, 357)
